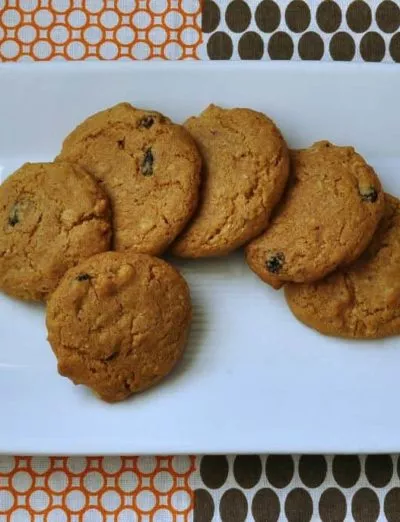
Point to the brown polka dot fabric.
(332, 505)
(329, 30)
(298, 505)
(391, 505)
(365, 505)
(359, 16)
(329, 16)
(297, 16)
(346, 470)
(311, 46)
(210, 17)
(238, 16)
(297, 488)
(233, 506)
(279, 470)
(379, 469)
(214, 471)
(247, 470)
(265, 505)
(267, 16)
(312, 470)
(342, 47)
(280, 46)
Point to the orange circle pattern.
(99, 29)
(96, 489)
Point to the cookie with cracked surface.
(118, 323)
(363, 300)
(52, 215)
(245, 169)
(149, 167)
(327, 217)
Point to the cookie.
(363, 300)
(328, 215)
(118, 323)
(149, 167)
(52, 215)
(245, 168)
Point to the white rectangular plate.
(253, 379)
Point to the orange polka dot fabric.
(96, 489)
(99, 29)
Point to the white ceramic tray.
(253, 378)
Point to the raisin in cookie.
(245, 168)
(118, 322)
(149, 167)
(52, 215)
(363, 300)
(327, 217)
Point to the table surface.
(227, 488)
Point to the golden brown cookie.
(245, 168)
(328, 215)
(118, 322)
(363, 300)
(149, 167)
(52, 215)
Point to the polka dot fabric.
(99, 29)
(124, 489)
(302, 488)
(268, 488)
(351, 30)
(301, 30)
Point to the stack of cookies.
(334, 242)
(81, 233)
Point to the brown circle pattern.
(398, 467)
(372, 47)
(365, 505)
(203, 506)
(379, 470)
(265, 506)
(268, 488)
(329, 16)
(359, 16)
(280, 46)
(346, 470)
(345, 30)
(247, 470)
(251, 46)
(395, 47)
(219, 46)
(233, 506)
(312, 470)
(279, 470)
(298, 16)
(299, 505)
(238, 16)
(342, 47)
(268, 16)
(332, 505)
(214, 470)
(210, 16)
(391, 505)
(311, 46)
(388, 16)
